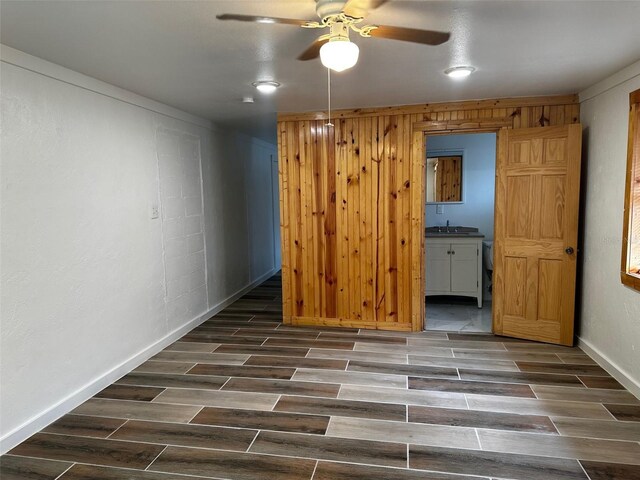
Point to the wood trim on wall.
(352, 204)
(489, 104)
(631, 280)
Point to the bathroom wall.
(609, 312)
(478, 181)
(124, 223)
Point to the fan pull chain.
(329, 124)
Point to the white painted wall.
(609, 321)
(478, 181)
(91, 284)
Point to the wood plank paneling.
(352, 205)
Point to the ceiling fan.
(335, 49)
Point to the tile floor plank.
(283, 387)
(402, 432)
(395, 349)
(85, 426)
(232, 465)
(463, 386)
(187, 435)
(601, 382)
(88, 450)
(517, 467)
(627, 413)
(520, 377)
(192, 347)
(130, 392)
(207, 382)
(101, 407)
(344, 408)
(263, 420)
(607, 429)
(290, 342)
(351, 378)
(218, 398)
(93, 472)
(562, 368)
(242, 371)
(403, 396)
(351, 471)
(216, 358)
(610, 471)
(203, 335)
(153, 366)
(262, 350)
(413, 370)
(24, 468)
(331, 448)
(357, 337)
(560, 446)
(357, 355)
(481, 419)
(595, 395)
(496, 365)
(296, 362)
(529, 406)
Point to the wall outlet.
(440, 209)
(154, 211)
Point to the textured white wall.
(478, 181)
(609, 321)
(89, 279)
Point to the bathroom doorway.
(459, 220)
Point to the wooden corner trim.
(630, 280)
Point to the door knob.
(569, 250)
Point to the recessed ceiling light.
(459, 72)
(266, 87)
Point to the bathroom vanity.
(453, 262)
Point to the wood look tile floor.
(243, 397)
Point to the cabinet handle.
(448, 252)
(453, 252)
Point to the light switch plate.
(154, 211)
(440, 209)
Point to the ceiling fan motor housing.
(328, 8)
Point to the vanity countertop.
(454, 234)
(452, 231)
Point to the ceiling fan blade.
(314, 49)
(360, 8)
(258, 19)
(426, 37)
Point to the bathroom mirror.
(444, 179)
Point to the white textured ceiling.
(176, 52)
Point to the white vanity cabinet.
(453, 266)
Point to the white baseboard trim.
(64, 406)
(630, 383)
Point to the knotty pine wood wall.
(352, 205)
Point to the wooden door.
(536, 230)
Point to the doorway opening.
(459, 219)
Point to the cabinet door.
(464, 268)
(438, 267)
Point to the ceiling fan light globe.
(339, 55)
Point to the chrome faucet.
(447, 226)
